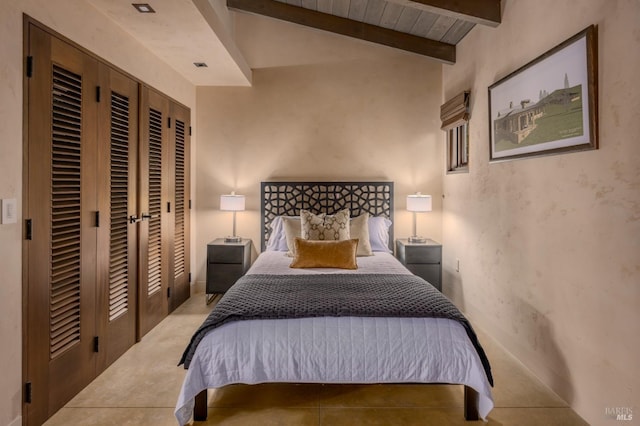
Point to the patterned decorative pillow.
(325, 227)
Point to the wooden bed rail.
(200, 407)
(471, 403)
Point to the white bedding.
(277, 262)
(334, 349)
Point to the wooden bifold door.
(164, 191)
(105, 252)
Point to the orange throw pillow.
(325, 254)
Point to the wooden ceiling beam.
(443, 52)
(485, 12)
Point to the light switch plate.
(9, 211)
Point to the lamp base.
(232, 239)
(417, 240)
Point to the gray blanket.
(359, 295)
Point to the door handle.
(146, 216)
(134, 219)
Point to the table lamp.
(232, 203)
(418, 203)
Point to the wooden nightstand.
(226, 262)
(424, 260)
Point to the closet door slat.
(65, 272)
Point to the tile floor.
(142, 386)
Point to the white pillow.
(292, 230)
(278, 239)
(379, 233)
(359, 228)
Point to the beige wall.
(361, 112)
(549, 247)
(80, 22)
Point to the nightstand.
(423, 259)
(226, 262)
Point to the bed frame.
(288, 198)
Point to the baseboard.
(198, 287)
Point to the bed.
(280, 324)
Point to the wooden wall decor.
(288, 198)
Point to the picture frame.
(548, 106)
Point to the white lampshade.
(232, 203)
(419, 203)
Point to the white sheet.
(334, 350)
(277, 262)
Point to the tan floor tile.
(264, 417)
(135, 381)
(265, 395)
(147, 376)
(535, 417)
(392, 395)
(393, 417)
(514, 385)
(113, 417)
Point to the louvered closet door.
(153, 198)
(179, 265)
(60, 266)
(117, 235)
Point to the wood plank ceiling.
(426, 27)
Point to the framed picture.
(548, 106)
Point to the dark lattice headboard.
(288, 198)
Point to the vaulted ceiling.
(185, 32)
(427, 27)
